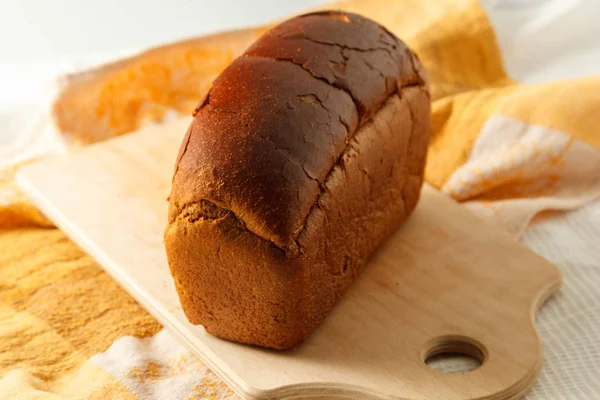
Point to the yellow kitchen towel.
(508, 151)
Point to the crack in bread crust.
(307, 153)
(338, 162)
(380, 55)
(196, 211)
(193, 211)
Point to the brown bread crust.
(305, 155)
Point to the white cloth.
(161, 368)
(541, 40)
(546, 40)
(569, 323)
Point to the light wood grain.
(444, 279)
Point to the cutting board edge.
(138, 294)
(312, 390)
(228, 375)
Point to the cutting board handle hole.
(454, 354)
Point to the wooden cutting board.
(445, 282)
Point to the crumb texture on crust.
(243, 288)
(306, 154)
(275, 124)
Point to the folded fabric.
(509, 151)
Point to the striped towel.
(510, 152)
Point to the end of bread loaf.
(306, 154)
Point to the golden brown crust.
(307, 152)
(277, 119)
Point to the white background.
(46, 29)
(40, 39)
(541, 39)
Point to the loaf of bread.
(305, 155)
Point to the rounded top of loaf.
(277, 120)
